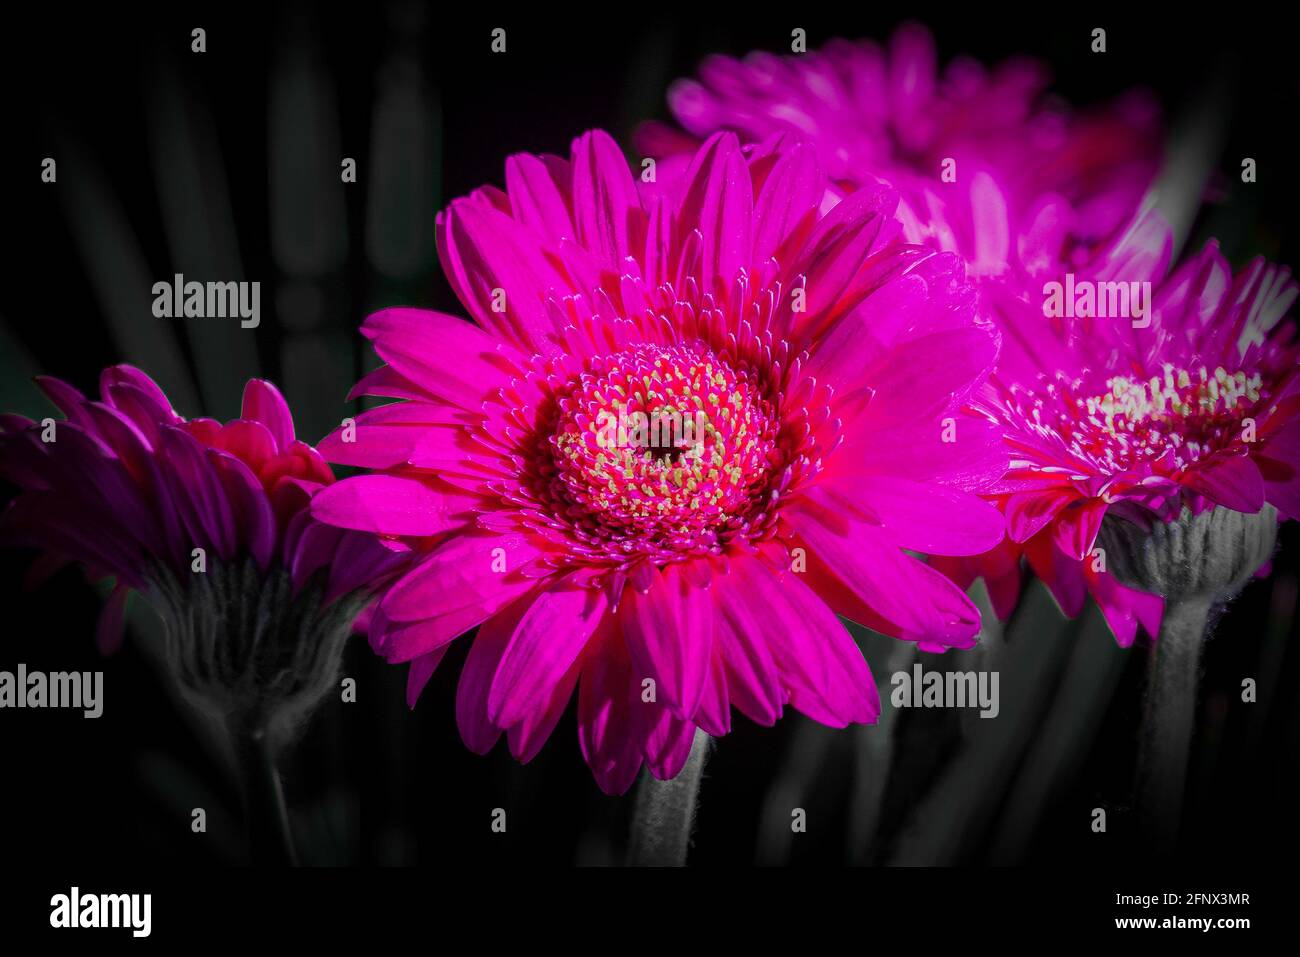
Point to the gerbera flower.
(987, 165)
(208, 522)
(670, 577)
(1190, 407)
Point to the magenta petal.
(931, 518)
(922, 378)
(387, 504)
(263, 403)
(449, 357)
(1063, 575)
(527, 737)
(820, 665)
(753, 681)
(1029, 512)
(668, 744)
(361, 561)
(607, 692)
(477, 729)
(669, 633)
(787, 201)
(1077, 526)
(250, 506)
(478, 574)
(537, 199)
(123, 381)
(604, 197)
(714, 713)
(419, 673)
(484, 251)
(548, 639)
(719, 202)
(1124, 608)
(920, 603)
(1233, 483)
(205, 509)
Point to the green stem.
(1168, 718)
(665, 813)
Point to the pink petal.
(921, 378)
(787, 202)
(669, 632)
(1077, 526)
(719, 202)
(607, 692)
(462, 578)
(537, 199)
(931, 518)
(389, 505)
(484, 250)
(1028, 513)
(604, 198)
(449, 357)
(544, 646)
(527, 737)
(1232, 482)
(263, 403)
(820, 665)
(920, 603)
(714, 713)
(419, 673)
(477, 730)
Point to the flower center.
(1196, 411)
(663, 446)
(1167, 421)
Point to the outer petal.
(919, 602)
(388, 505)
(548, 640)
(669, 631)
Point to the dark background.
(225, 165)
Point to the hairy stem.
(1168, 718)
(665, 813)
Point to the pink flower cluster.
(691, 422)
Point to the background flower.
(988, 165)
(824, 360)
(1192, 407)
(130, 489)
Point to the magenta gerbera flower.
(199, 517)
(1192, 405)
(684, 430)
(987, 164)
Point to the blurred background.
(226, 165)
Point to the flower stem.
(1168, 718)
(266, 817)
(665, 813)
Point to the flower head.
(987, 165)
(686, 427)
(203, 519)
(1185, 404)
